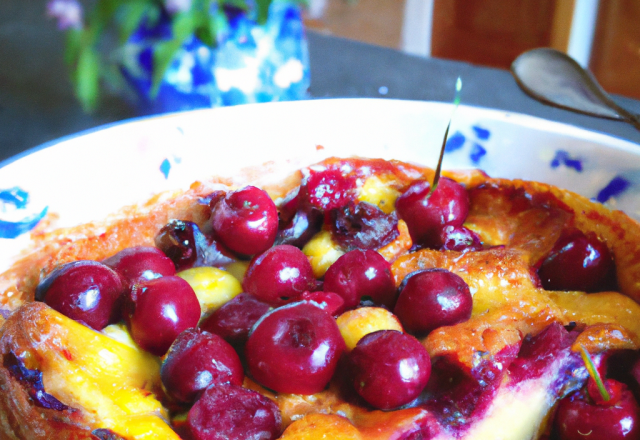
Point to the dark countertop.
(37, 105)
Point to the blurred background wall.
(494, 32)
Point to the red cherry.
(614, 388)
(330, 302)
(426, 214)
(141, 262)
(246, 221)
(213, 198)
(634, 379)
(578, 261)
(230, 412)
(363, 226)
(278, 275)
(433, 298)
(577, 417)
(329, 189)
(234, 320)
(390, 368)
(188, 247)
(197, 360)
(361, 273)
(295, 349)
(159, 310)
(299, 221)
(87, 291)
(180, 241)
(459, 238)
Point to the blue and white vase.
(251, 63)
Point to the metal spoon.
(555, 78)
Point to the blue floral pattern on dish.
(477, 153)
(476, 140)
(614, 188)
(455, 142)
(481, 133)
(563, 157)
(165, 168)
(16, 215)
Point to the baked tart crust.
(518, 222)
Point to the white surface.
(87, 177)
(583, 28)
(417, 27)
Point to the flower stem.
(456, 103)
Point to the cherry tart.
(351, 301)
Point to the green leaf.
(205, 26)
(204, 34)
(240, 4)
(75, 38)
(184, 25)
(262, 10)
(87, 78)
(130, 16)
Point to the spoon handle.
(631, 118)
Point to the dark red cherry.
(361, 273)
(230, 412)
(578, 261)
(87, 291)
(363, 226)
(141, 262)
(577, 418)
(634, 377)
(329, 189)
(246, 221)
(234, 320)
(432, 298)
(188, 247)
(295, 349)
(390, 368)
(179, 241)
(158, 310)
(426, 214)
(299, 221)
(280, 274)
(213, 198)
(196, 360)
(459, 238)
(330, 302)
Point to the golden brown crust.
(615, 228)
(20, 418)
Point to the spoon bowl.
(554, 78)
